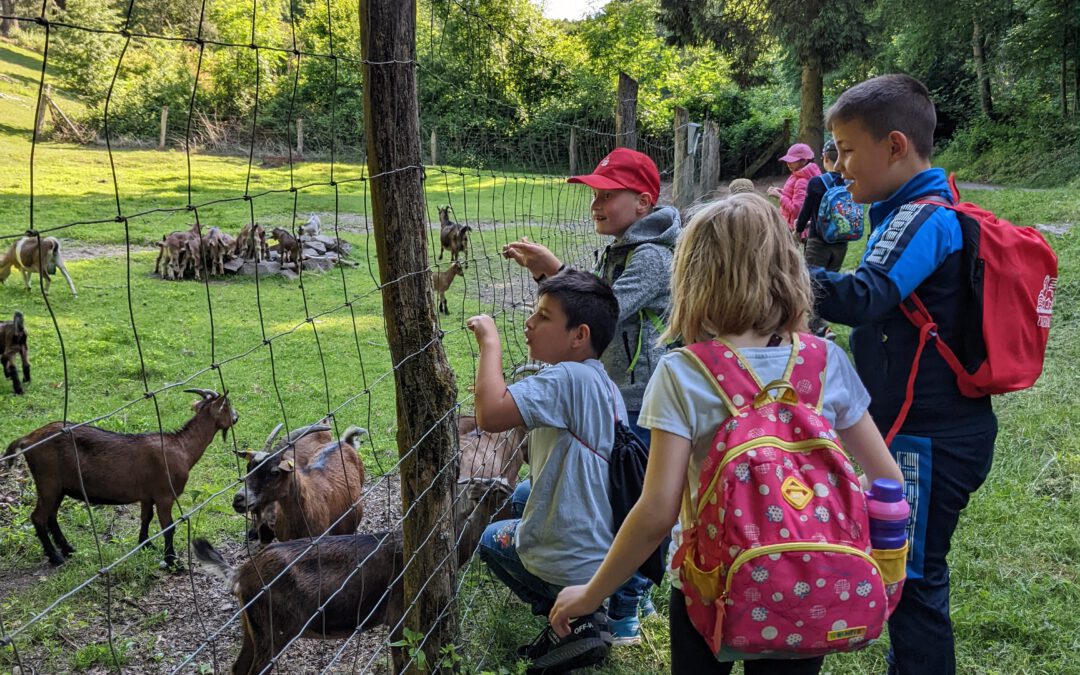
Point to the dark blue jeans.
(498, 552)
(622, 604)
(920, 629)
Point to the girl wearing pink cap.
(800, 161)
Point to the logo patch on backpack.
(776, 557)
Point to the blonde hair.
(737, 268)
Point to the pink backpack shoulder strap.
(806, 372)
(732, 377)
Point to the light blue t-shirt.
(680, 400)
(566, 529)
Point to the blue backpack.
(839, 218)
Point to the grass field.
(1015, 571)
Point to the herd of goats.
(306, 485)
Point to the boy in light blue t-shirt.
(569, 408)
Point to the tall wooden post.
(573, 151)
(434, 148)
(42, 105)
(682, 190)
(164, 126)
(626, 113)
(425, 384)
(300, 136)
(710, 160)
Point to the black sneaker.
(587, 644)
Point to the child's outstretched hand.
(573, 601)
(483, 327)
(536, 257)
(774, 191)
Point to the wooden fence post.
(425, 385)
(434, 148)
(682, 189)
(164, 126)
(300, 136)
(710, 160)
(42, 105)
(573, 151)
(626, 113)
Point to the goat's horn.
(203, 392)
(273, 435)
(353, 432)
(297, 434)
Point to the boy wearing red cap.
(625, 186)
(800, 161)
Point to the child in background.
(738, 185)
(637, 264)
(569, 408)
(818, 252)
(800, 162)
(741, 243)
(884, 131)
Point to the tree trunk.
(682, 188)
(8, 26)
(811, 123)
(986, 102)
(1065, 75)
(425, 385)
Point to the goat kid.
(313, 226)
(30, 256)
(113, 468)
(251, 244)
(362, 574)
(12, 345)
(442, 281)
(288, 246)
(452, 236)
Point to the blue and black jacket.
(912, 247)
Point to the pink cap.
(624, 169)
(797, 152)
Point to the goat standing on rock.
(452, 235)
(115, 468)
(288, 246)
(30, 255)
(12, 344)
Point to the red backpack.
(1013, 274)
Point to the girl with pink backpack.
(751, 423)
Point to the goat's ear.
(286, 465)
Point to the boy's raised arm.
(495, 407)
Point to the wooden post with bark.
(710, 160)
(164, 126)
(300, 136)
(626, 112)
(434, 148)
(41, 107)
(682, 189)
(425, 385)
(573, 151)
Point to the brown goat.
(488, 455)
(442, 280)
(357, 578)
(114, 468)
(13, 344)
(27, 256)
(288, 246)
(452, 236)
(321, 496)
(251, 244)
(214, 251)
(180, 252)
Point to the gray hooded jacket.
(643, 284)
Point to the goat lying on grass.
(367, 568)
(29, 257)
(13, 344)
(442, 280)
(115, 468)
(452, 236)
(320, 495)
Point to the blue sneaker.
(625, 631)
(645, 607)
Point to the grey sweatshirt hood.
(638, 266)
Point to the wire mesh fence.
(182, 298)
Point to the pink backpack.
(777, 561)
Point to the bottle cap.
(886, 490)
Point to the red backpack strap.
(806, 372)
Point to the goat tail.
(213, 561)
(18, 321)
(12, 449)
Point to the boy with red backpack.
(774, 565)
(935, 273)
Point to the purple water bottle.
(888, 514)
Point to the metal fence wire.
(308, 350)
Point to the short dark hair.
(889, 103)
(586, 299)
(829, 150)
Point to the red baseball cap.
(624, 169)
